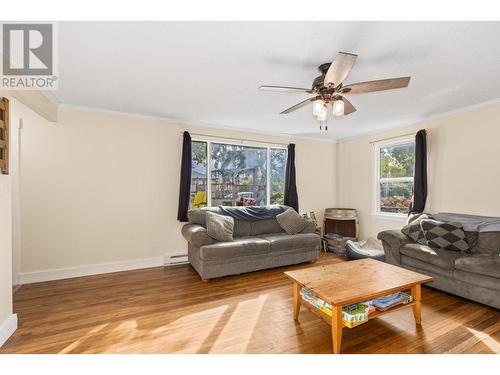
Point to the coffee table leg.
(416, 294)
(296, 300)
(337, 325)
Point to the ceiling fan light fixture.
(318, 107)
(338, 107)
(329, 88)
(321, 116)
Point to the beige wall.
(464, 172)
(100, 188)
(7, 320)
(5, 250)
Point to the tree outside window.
(238, 175)
(395, 177)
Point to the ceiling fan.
(329, 88)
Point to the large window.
(394, 176)
(225, 174)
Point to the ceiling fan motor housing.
(323, 68)
(318, 83)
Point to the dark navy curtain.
(420, 174)
(291, 198)
(185, 183)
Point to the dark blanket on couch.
(250, 213)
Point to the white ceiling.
(209, 72)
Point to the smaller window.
(394, 177)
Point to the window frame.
(267, 145)
(377, 180)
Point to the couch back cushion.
(198, 215)
(265, 227)
(488, 243)
(241, 228)
(471, 238)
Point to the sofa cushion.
(477, 279)
(291, 221)
(482, 265)
(425, 267)
(264, 227)
(284, 241)
(444, 235)
(198, 215)
(413, 229)
(240, 247)
(242, 228)
(439, 257)
(488, 243)
(220, 227)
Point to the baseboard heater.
(172, 260)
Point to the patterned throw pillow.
(413, 229)
(444, 235)
(291, 222)
(220, 227)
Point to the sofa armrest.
(310, 227)
(393, 240)
(196, 235)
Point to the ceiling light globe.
(318, 107)
(338, 107)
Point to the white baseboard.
(87, 270)
(7, 328)
(175, 259)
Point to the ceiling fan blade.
(348, 107)
(340, 68)
(380, 85)
(284, 88)
(299, 105)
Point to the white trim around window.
(376, 180)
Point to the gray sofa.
(257, 245)
(474, 275)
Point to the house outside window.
(394, 172)
(225, 174)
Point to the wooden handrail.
(4, 136)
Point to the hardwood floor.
(170, 310)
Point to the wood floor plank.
(170, 310)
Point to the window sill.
(394, 217)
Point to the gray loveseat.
(257, 245)
(475, 276)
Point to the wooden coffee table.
(345, 283)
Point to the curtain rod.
(236, 139)
(396, 136)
